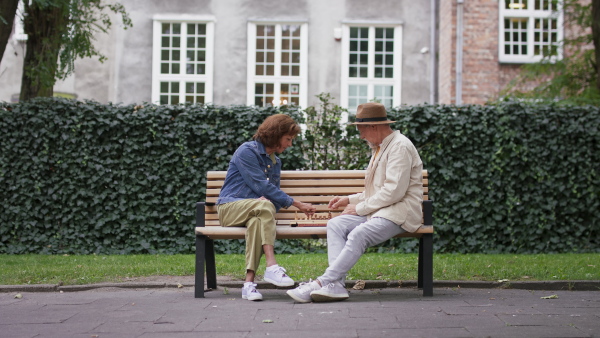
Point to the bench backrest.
(311, 186)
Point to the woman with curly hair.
(251, 196)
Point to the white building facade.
(255, 52)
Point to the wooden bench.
(316, 187)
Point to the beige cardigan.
(393, 184)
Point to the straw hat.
(371, 113)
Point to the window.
(371, 64)
(530, 30)
(277, 64)
(182, 63)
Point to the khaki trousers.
(258, 216)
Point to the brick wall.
(483, 76)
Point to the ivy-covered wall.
(510, 177)
(81, 177)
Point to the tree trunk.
(44, 26)
(8, 9)
(596, 37)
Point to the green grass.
(76, 269)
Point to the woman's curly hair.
(274, 128)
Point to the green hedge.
(82, 177)
(510, 177)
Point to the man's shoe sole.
(255, 299)
(296, 298)
(269, 280)
(316, 297)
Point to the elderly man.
(389, 205)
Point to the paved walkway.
(386, 312)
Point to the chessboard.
(316, 220)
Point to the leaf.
(359, 285)
(267, 321)
(550, 297)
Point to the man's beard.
(371, 145)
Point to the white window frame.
(182, 78)
(370, 81)
(277, 80)
(530, 14)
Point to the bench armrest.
(428, 212)
(200, 212)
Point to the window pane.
(263, 94)
(290, 93)
(545, 37)
(164, 68)
(290, 45)
(357, 94)
(515, 35)
(265, 55)
(384, 94)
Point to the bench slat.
(306, 174)
(286, 232)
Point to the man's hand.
(338, 202)
(350, 209)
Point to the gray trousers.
(348, 236)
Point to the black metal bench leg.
(426, 264)
(199, 274)
(211, 269)
(420, 265)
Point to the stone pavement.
(385, 312)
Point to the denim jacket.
(253, 173)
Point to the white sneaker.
(331, 292)
(249, 292)
(276, 275)
(301, 294)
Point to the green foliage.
(82, 177)
(511, 177)
(328, 145)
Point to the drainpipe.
(459, 50)
(433, 54)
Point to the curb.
(575, 285)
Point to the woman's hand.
(306, 208)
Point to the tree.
(576, 77)
(8, 9)
(59, 32)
